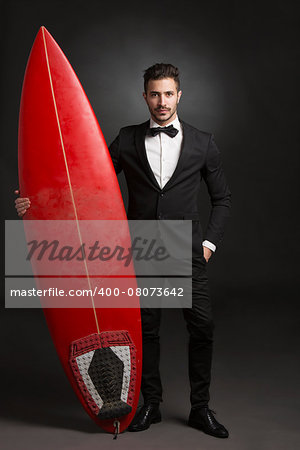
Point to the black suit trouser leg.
(151, 383)
(200, 327)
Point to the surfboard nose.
(43, 30)
(41, 33)
(44, 35)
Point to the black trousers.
(200, 327)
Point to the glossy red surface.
(66, 171)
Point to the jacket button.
(159, 216)
(161, 195)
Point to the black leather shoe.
(147, 415)
(204, 420)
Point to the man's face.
(162, 99)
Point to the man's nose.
(162, 100)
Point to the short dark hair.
(159, 71)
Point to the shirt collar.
(174, 122)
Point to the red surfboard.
(66, 171)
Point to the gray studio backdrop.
(239, 73)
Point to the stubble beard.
(164, 119)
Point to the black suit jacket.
(199, 159)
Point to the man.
(164, 160)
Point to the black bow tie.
(170, 131)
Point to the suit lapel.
(140, 135)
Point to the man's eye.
(153, 94)
(169, 94)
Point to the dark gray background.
(239, 73)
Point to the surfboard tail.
(104, 366)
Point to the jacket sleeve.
(220, 195)
(114, 150)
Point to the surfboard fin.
(117, 429)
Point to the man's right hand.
(21, 204)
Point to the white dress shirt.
(163, 153)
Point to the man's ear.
(179, 96)
(144, 95)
